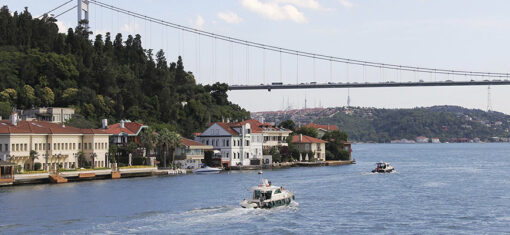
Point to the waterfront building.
(236, 143)
(306, 144)
(50, 114)
(124, 132)
(54, 145)
(191, 154)
(422, 139)
(323, 129)
(436, 141)
(273, 136)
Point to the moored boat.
(207, 170)
(383, 167)
(266, 195)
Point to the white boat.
(383, 167)
(266, 195)
(207, 170)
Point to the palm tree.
(148, 140)
(168, 139)
(33, 156)
(93, 156)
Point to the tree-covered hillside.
(444, 122)
(108, 77)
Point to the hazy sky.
(454, 34)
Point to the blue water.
(438, 189)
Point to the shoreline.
(105, 174)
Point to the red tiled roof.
(189, 142)
(41, 127)
(306, 139)
(324, 127)
(227, 127)
(130, 128)
(255, 125)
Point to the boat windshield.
(257, 194)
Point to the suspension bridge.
(253, 57)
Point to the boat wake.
(200, 218)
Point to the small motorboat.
(266, 195)
(207, 170)
(383, 167)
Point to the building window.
(6, 147)
(74, 146)
(79, 145)
(227, 155)
(247, 155)
(1, 148)
(17, 147)
(247, 143)
(227, 143)
(67, 146)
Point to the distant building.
(422, 139)
(191, 154)
(307, 144)
(51, 114)
(322, 129)
(436, 141)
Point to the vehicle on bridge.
(277, 83)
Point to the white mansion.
(242, 143)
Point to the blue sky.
(454, 34)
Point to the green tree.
(148, 140)
(47, 96)
(288, 124)
(33, 155)
(168, 140)
(309, 131)
(5, 109)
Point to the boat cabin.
(381, 165)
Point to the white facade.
(237, 144)
(54, 149)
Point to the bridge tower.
(83, 12)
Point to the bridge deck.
(368, 85)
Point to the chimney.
(14, 118)
(104, 123)
(300, 137)
(121, 123)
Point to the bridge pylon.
(83, 12)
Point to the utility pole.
(83, 8)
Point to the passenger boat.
(383, 167)
(207, 170)
(266, 195)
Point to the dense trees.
(309, 131)
(444, 122)
(109, 77)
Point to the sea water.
(437, 189)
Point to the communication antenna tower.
(348, 97)
(489, 103)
